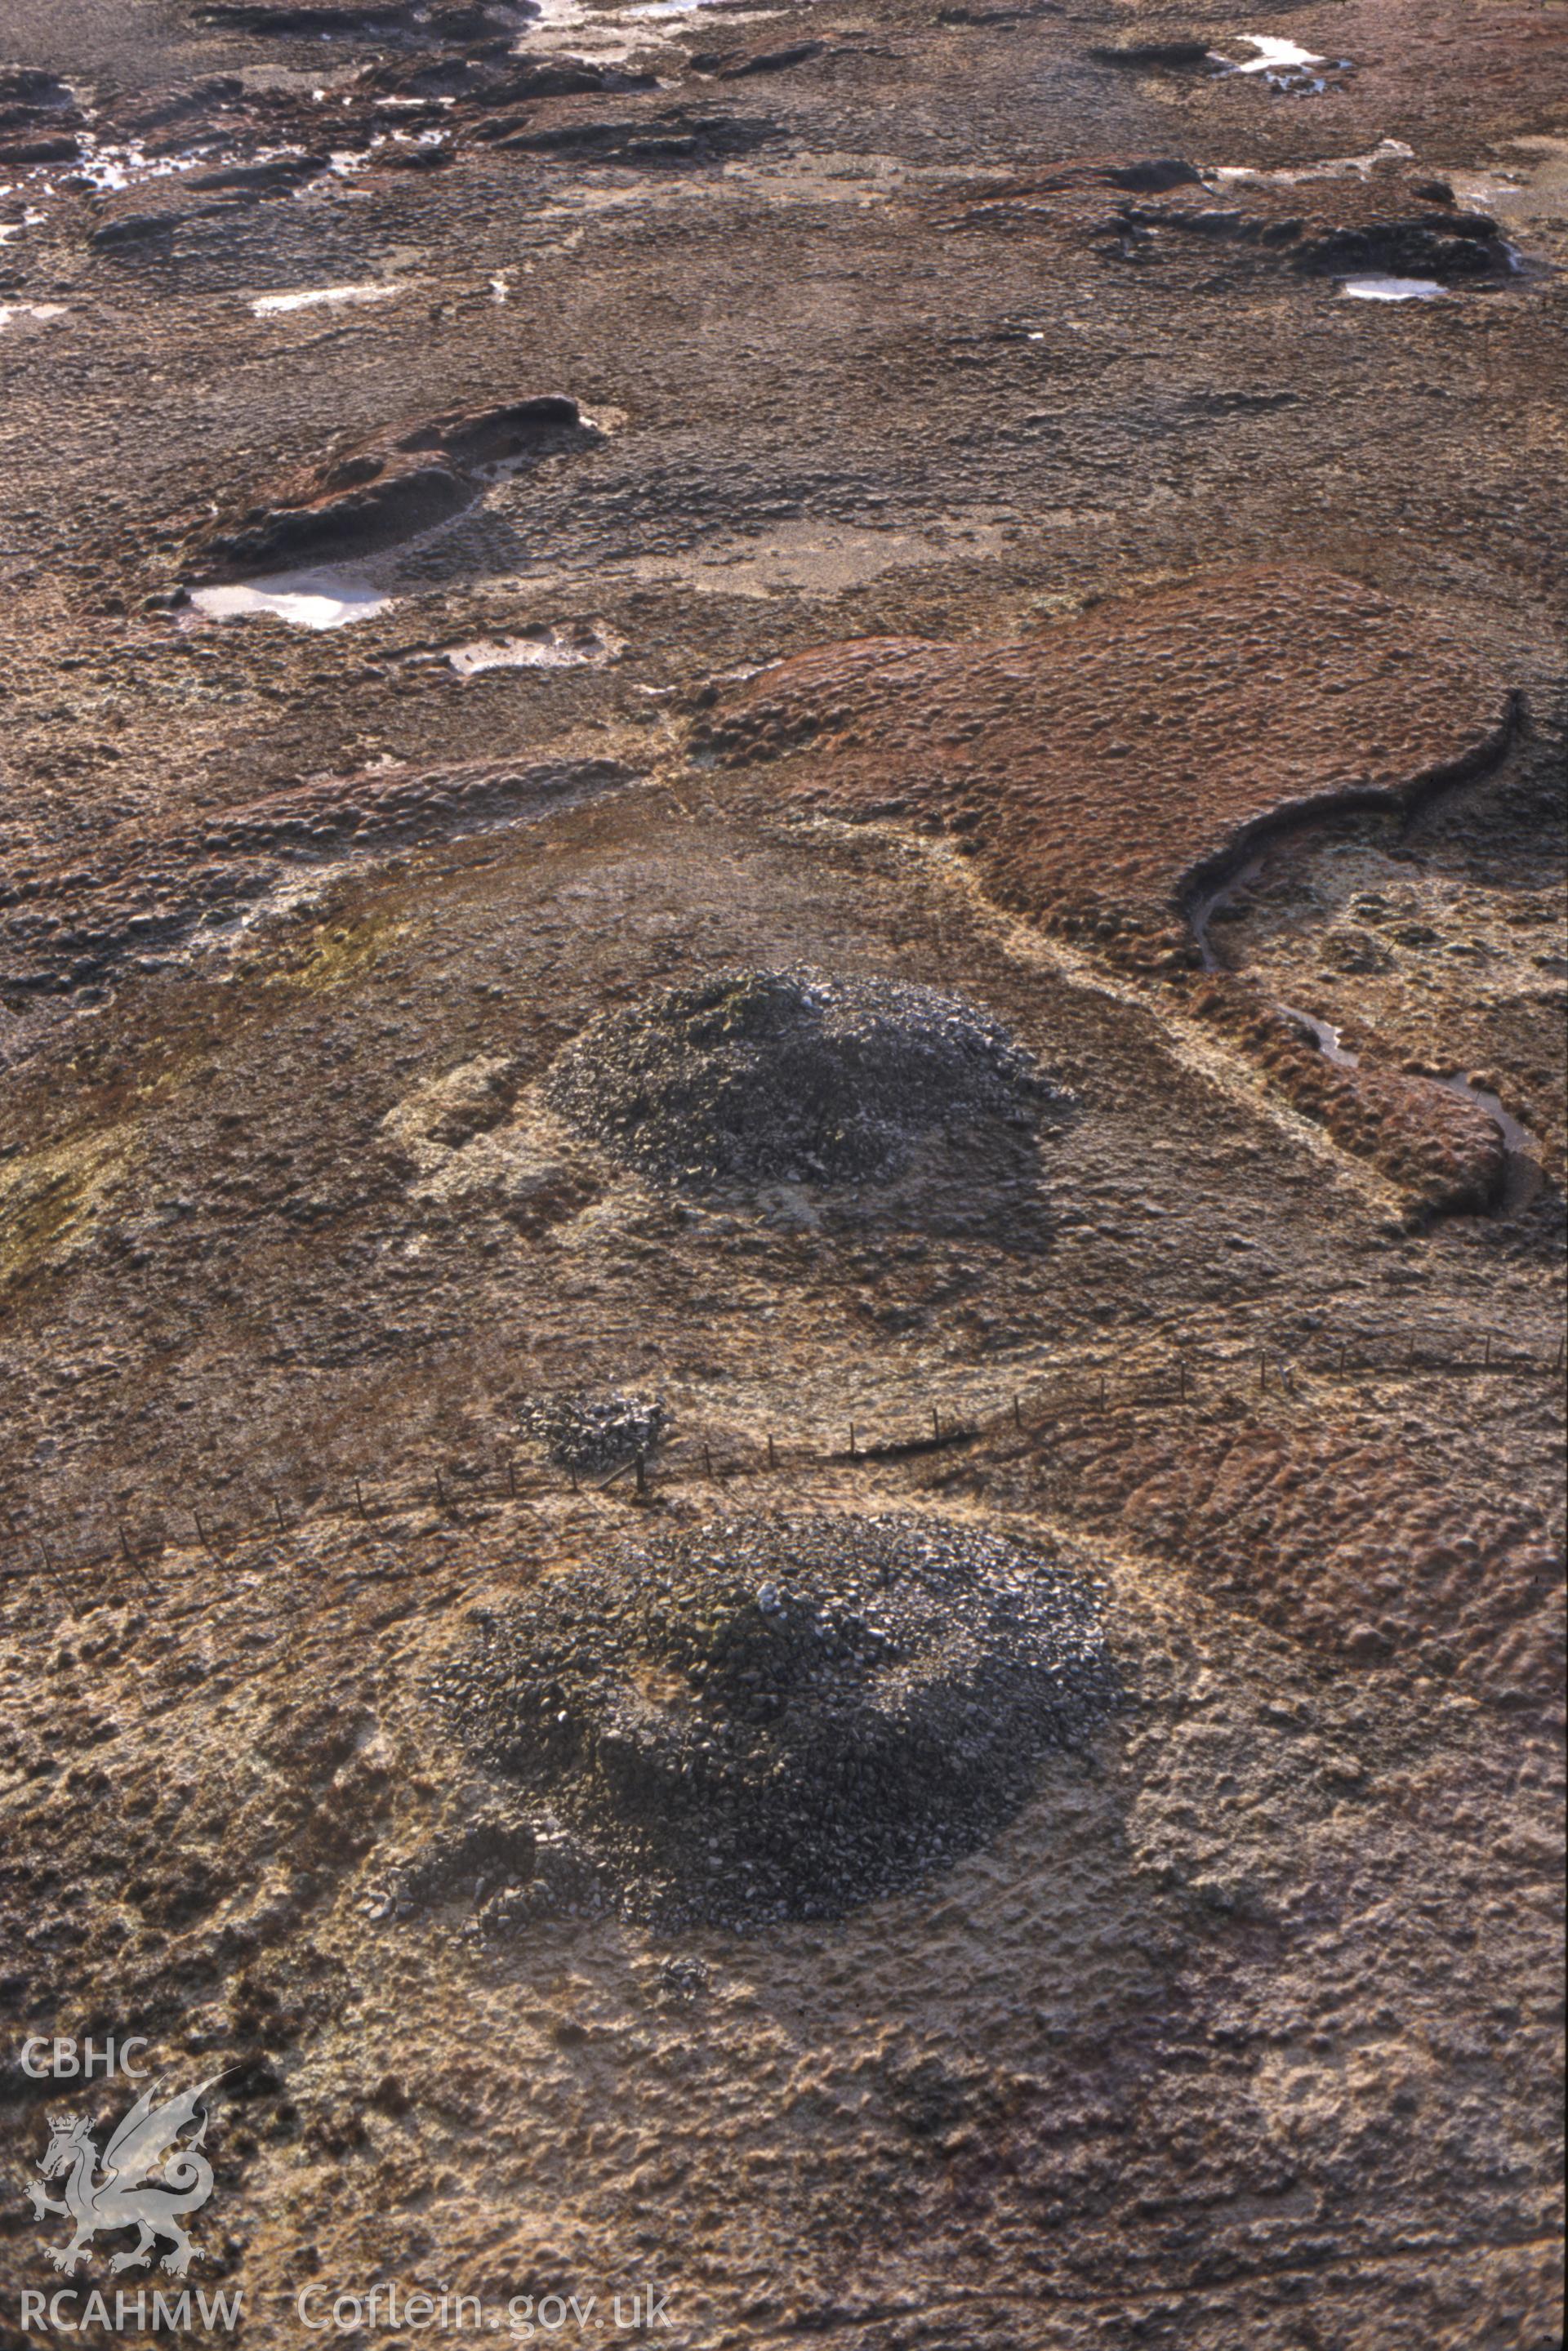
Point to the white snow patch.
(1274, 53)
(1283, 65)
(1335, 167)
(274, 305)
(37, 310)
(1393, 289)
(305, 599)
(538, 649)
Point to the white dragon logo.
(146, 2180)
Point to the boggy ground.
(1015, 336)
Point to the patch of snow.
(274, 305)
(109, 169)
(1283, 65)
(40, 310)
(1393, 289)
(1334, 167)
(543, 649)
(1274, 52)
(305, 599)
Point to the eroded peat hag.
(1097, 768)
(382, 492)
(1105, 775)
(67, 931)
(781, 1167)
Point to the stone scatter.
(793, 1077)
(589, 1434)
(771, 1717)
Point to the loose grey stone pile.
(775, 1717)
(588, 1433)
(765, 1077)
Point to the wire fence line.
(125, 1547)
